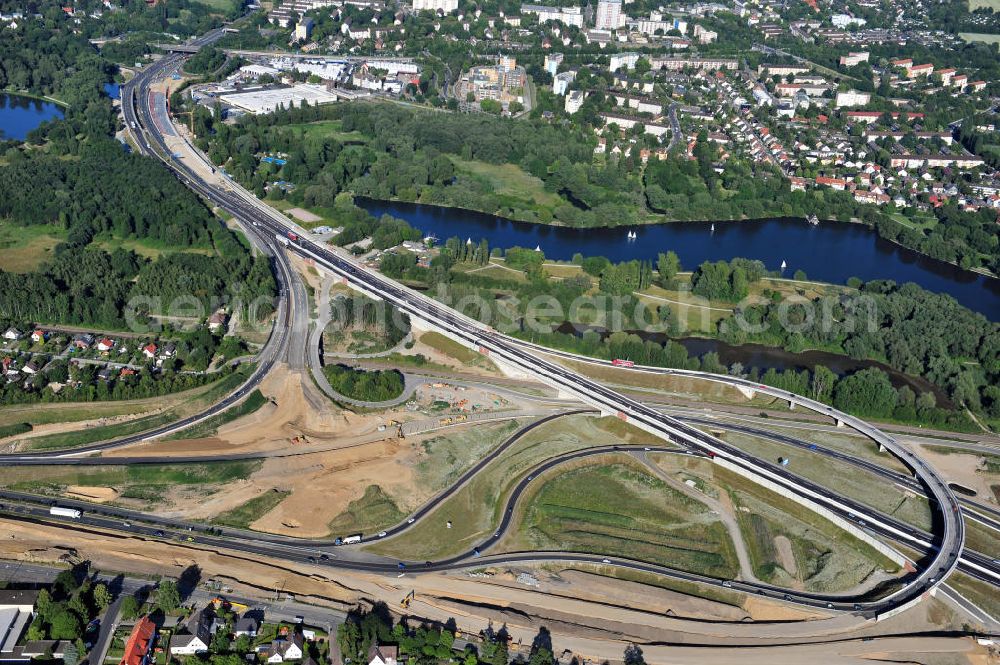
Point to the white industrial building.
(568, 15)
(444, 6)
(560, 84)
(267, 101)
(574, 101)
(609, 15)
(623, 61)
(852, 98)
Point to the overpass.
(946, 547)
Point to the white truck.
(349, 540)
(59, 511)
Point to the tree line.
(415, 155)
(913, 331)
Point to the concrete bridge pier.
(747, 392)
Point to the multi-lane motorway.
(945, 546)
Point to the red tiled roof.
(139, 642)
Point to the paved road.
(109, 622)
(529, 360)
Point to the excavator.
(406, 600)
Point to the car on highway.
(410, 521)
(382, 534)
(605, 560)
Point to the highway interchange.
(945, 549)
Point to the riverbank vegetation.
(902, 326)
(540, 172)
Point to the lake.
(827, 252)
(19, 115)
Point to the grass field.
(324, 128)
(980, 36)
(845, 441)
(690, 588)
(225, 6)
(246, 514)
(826, 558)
(449, 456)
(509, 180)
(982, 594)
(174, 407)
(453, 349)
(210, 426)
(843, 478)
(25, 248)
(474, 509)
(83, 437)
(618, 509)
(147, 248)
(373, 511)
(922, 222)
(988, 4)
(665, 384)
(141, 481)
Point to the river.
(828, 252)
(766, 357)
(19, 115)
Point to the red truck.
(618, 362)
(293, 237)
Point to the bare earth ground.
(337, 455)
(595, 630)
(304, 215)
(963, 468)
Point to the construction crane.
(407, 599)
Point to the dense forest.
(415, 155)
(105, 193)
(73, 177)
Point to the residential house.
(149, 350)
(140, 643)
(248, 625)
(217, 320)
(798, 184)
(32, 367)
(13, 334)
(196, 635)
(380, 654)
(169, 350)
(105, 344)
(39, 336)
(835, 183)
(282, 650)
(83, 341)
